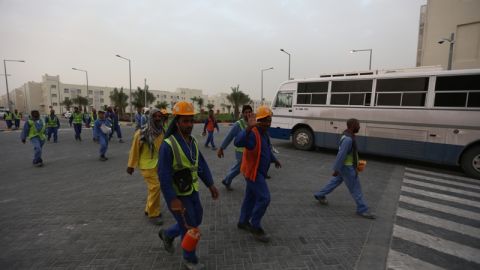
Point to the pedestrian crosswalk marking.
(399, 260)
(441, 208)
(442, 181)
(441, 196)
(474, 181)
(442, 245)
(439, 222)
(438, 187)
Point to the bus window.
(319, 99)
(474, 99)
(450, 99)
(304, 98)
(457, 91)
(284, 100)
(388, 99)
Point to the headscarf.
(150, 132)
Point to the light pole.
(130, 78)
(86, 75)
(450, 53)
(365, 50)
(261, 95)
(6, 80)
(282, 50)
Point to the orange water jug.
(361, 165)
(190, 240)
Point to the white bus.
(431, 115)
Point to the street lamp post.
(261, 93)
(130, 78)
(365, 50)
(450, 52)
(282, 50)
(86, 76)
(6, 80)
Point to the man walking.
(144, 155)
(17, 117)
(113, 116)
(240, 125)
(345, 169)
(8, 119)
(256, 160)
(53, 124)
(179, 168)
(76, 118)
(102, 129)
(34, 130)
(210, 125)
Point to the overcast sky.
(209, 45)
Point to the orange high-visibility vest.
(251, 158)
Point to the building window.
(101, 93)
(55, 104)
(101, 100)
(66, 91)
(53, 86)
(90, 92)
(54, 95)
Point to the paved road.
(79, 213)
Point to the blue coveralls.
(235, 169)
(192, 204)
(138, 120)
(115, 125)
(35, 141)
(100, 136)
(210, 132)
(52, 130)
(348, 174)
(257, 195)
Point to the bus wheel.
(303, 139)
(471, 162)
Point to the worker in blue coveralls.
(87, 119)
(34, 130)
(345, 169)
(112, 115)
(180, 166)
(240, 125)
(77, 119)
(53, 124)
(93, 118)
(256, 160)
(138, 119)
(102, 129)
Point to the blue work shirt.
(113, 118)
(97, 131)
(343, 150)
(138, 120)
(231, 135)
(165, 167)
(247, 140)
(26, 128)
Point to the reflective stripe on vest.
(52, 122)
(77, 118)
(251, 158)
(33, 132)
(242, 125)
(8, 116)
(181, 161)
(349, 159)
(17, 116)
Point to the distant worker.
(256, 160)
(112, 115)
(102, 128)
(34, 130)
(345, 169)
(210, 125)
(87, 119)
(76, 119)
(8, 118)
(144, 155)
(17, 118)
(240, 125)
(53, 124)
(138, 119)
(93, 117)
(179, 168)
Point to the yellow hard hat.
(183, 108)
(262, 112)
(163, 111)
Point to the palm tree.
(210, 106)
(67, 102)
(81, 101)
(161, 105)
(200, 102)
(237, 98)
(119, 99)
(138, 97)
(228, 106)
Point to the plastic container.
(190, 240)
(361, 165)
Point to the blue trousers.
(103, 141)
(78, 131)
(193, 217)
(235, 169)
(54, 131)
(255, 202)
(117, 130)
(349, 175)
(17, 123)
(37, 149)
(9, 123)
(210, 139)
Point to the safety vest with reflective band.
(52, 122)
(93, 117)
(251, 158)
(8, 116)
(17, 116)
(33, 132)
(181, 161)
(241, 123)
(349, 159)
(147, 160)
(77, 118)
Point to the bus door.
(282, 115)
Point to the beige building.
(439, 19)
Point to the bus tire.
(471, 162)
(303, 139)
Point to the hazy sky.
(209, 45)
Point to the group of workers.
(12, 119)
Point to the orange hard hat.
(262, 112)
(163, 111)
(183, 108)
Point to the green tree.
(119, 99)
(237, 98)
(82, 102)
(67, 102)
(161, 105)
(138, 97)
(228, 106)
(210, 106)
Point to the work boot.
(167, 241)
(367, 215)
(260, 235)
(321, 199)
(103, 158)
(245, 226)
(193, 266)
(156, 220)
